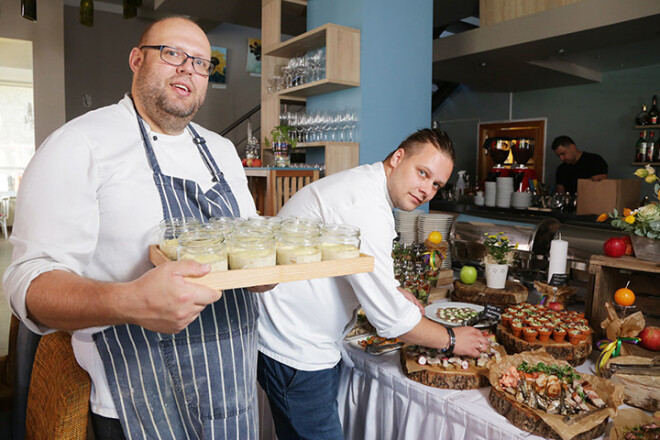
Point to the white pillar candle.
(558, 256)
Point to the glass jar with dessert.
(169, 231)
(299, 246)
(204, 245)
(340, 242)
(252, 246)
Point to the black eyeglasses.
(177, 57)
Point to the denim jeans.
(303, 403)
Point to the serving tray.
(260, 276)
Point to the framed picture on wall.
(218, 78)
(253, 57)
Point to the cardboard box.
(605, 196)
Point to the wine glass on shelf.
(335, 125)
(299, 69)
(345, 123)
(352, 124)
(316, 126)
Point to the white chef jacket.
(302, 323)
(88, 204)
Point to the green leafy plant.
(644, 221)
(499, 249)
(281, 133)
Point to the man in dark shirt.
(577, 165)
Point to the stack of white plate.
(521, 200)
(504, 191)
(491, 193)
(427, 223)
(405, 223)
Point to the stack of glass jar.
(235, 243)
(412, 269)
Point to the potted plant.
(643, 223)
(282, 144)
(499, 254)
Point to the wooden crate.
(276, 274)
(610, 274)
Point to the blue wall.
(599, 117)
(394, 97)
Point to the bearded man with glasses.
(167, 358)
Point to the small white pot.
(496, 275)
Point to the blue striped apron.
(201, 382)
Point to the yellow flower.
(626, 212)
(630, 219)
(602, 217)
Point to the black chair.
(26, 347)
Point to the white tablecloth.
(376, 401)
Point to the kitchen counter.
(513, 214)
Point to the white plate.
(432, 308)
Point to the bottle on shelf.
(653, 111)
(641, 147)
(651, 147)
(642, 117)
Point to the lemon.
(435, 237)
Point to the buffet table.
(376, 401)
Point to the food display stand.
(376, 401)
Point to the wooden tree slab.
(479, 293)
(524, 418)
(454, 380)
(573, 354)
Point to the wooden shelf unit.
(611, 274)
(339, 156)
(342, 72)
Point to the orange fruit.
(435, 237)
(624, 297)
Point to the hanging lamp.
(87, 12)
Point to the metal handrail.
(240, 120)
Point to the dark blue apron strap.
(147, 142)
(200, 142)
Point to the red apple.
(244, 162)
(256, 162)
(557, 306)
(615, 247)
(650, 338)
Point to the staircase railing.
(242, 141)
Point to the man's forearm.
(66, 301)
(428, 334)
(161, 300)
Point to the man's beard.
(167, 113)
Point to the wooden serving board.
(276, 274)
(573, 354)
(479, 293)
(640, 390)
(524, 418)
(435, 376)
